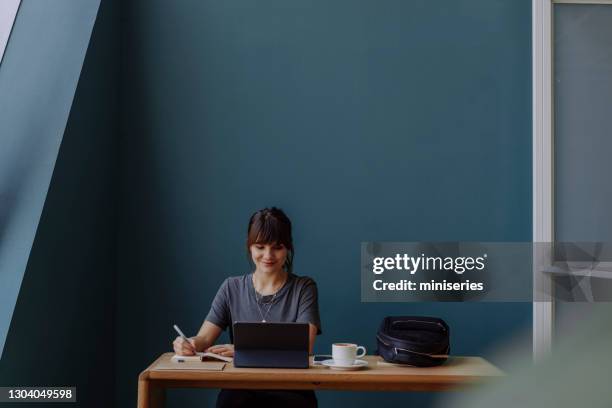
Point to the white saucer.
(358, 364)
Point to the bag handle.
(399, 351)
(435, 356)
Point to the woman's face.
(268, 257)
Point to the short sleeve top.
(236, 300)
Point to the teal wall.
(364, 120)
(62, 330)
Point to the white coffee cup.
(344, 354)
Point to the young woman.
(271, 293)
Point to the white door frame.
(543, 310)
(543, 165)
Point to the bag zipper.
(419, 321)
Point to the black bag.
(415, 341)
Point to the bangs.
(270, 227)
(268, 231)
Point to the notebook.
(191, 365)
(200, 356)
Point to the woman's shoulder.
(303, 281)
(236, 282)
(238, 278)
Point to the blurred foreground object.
(576, 374)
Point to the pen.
(184, 337)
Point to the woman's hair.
(271, 226)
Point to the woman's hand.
(183, 348)
(226, 350)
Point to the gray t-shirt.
(237, 301)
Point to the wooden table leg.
(150, 395)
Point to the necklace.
(263, 316)
(258, 300)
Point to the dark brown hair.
(271, 226)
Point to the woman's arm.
(312, 336)
(308, 311)
(207, 336)
(209, 332)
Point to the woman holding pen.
(271, 293)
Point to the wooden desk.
(378, 376)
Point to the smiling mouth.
(268, 263)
